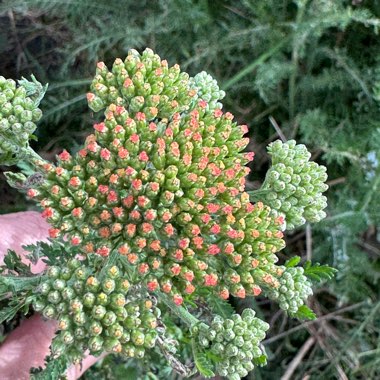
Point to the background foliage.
(303, 69)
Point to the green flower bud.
(218, 349)
(59, 284)
(102, 299)
(80, 333)
(49, 312)
(98, 312)
(231, 350)
(123, 286)
(150, 339)
(228, 324)
(57, 347)
(92, 284)
(125, 337)
(112, 345)
(68, 294)
(115, 331)
(293, 180)
(79, 318)
(113, 272)
(137, 337)
(67, 337)
(64, 322)
(39, 305)
(95, 344)
(78, 286)
(129, 350)
(65, 273)
(89, 299)
(139, 352)
(76, 305)
(95, 328)
(108, 285)
(109, 318)
(132, 322)
(80, 273)
(149, 321)
(229, 335)
(53, 272)
(74, 263)
(118, 300)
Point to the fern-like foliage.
(201, 361)
(319, 272)
(52, 371)
(219, 306)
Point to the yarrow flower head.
(294, 184)
(161, 181)
(207, 90)
(291, 290)
(96, 313)
(18, 114)
(234, 343)
(155, 202)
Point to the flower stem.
(179, 311)
(255, 195)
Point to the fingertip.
(26, 347)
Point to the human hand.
(28, 345)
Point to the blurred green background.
(303, 69)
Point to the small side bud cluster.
(234, 342)
(18, 115)
(293, 290)
(295, 184)
(208, 90)
(96, 313)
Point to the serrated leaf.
(8, 313)
(261, 360)
(17, 284)
(220, 306)
(203, 365)
(55, 369)
(14, 263)
(304, 312)
(15, 305)
(292, 262)
(319, 272)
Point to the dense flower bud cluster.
(18, 115)
(235, 342)
(143, 84)
(162, 181)
(293, 290)
(160, 185)
(295, 184)
(207, 89)
(96, 312)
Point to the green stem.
(370, 193)
(292, 80)
(18, 283)
(32, 156)
(179, 311)
(255, 195)
(263, 57)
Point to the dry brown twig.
(298, 358)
